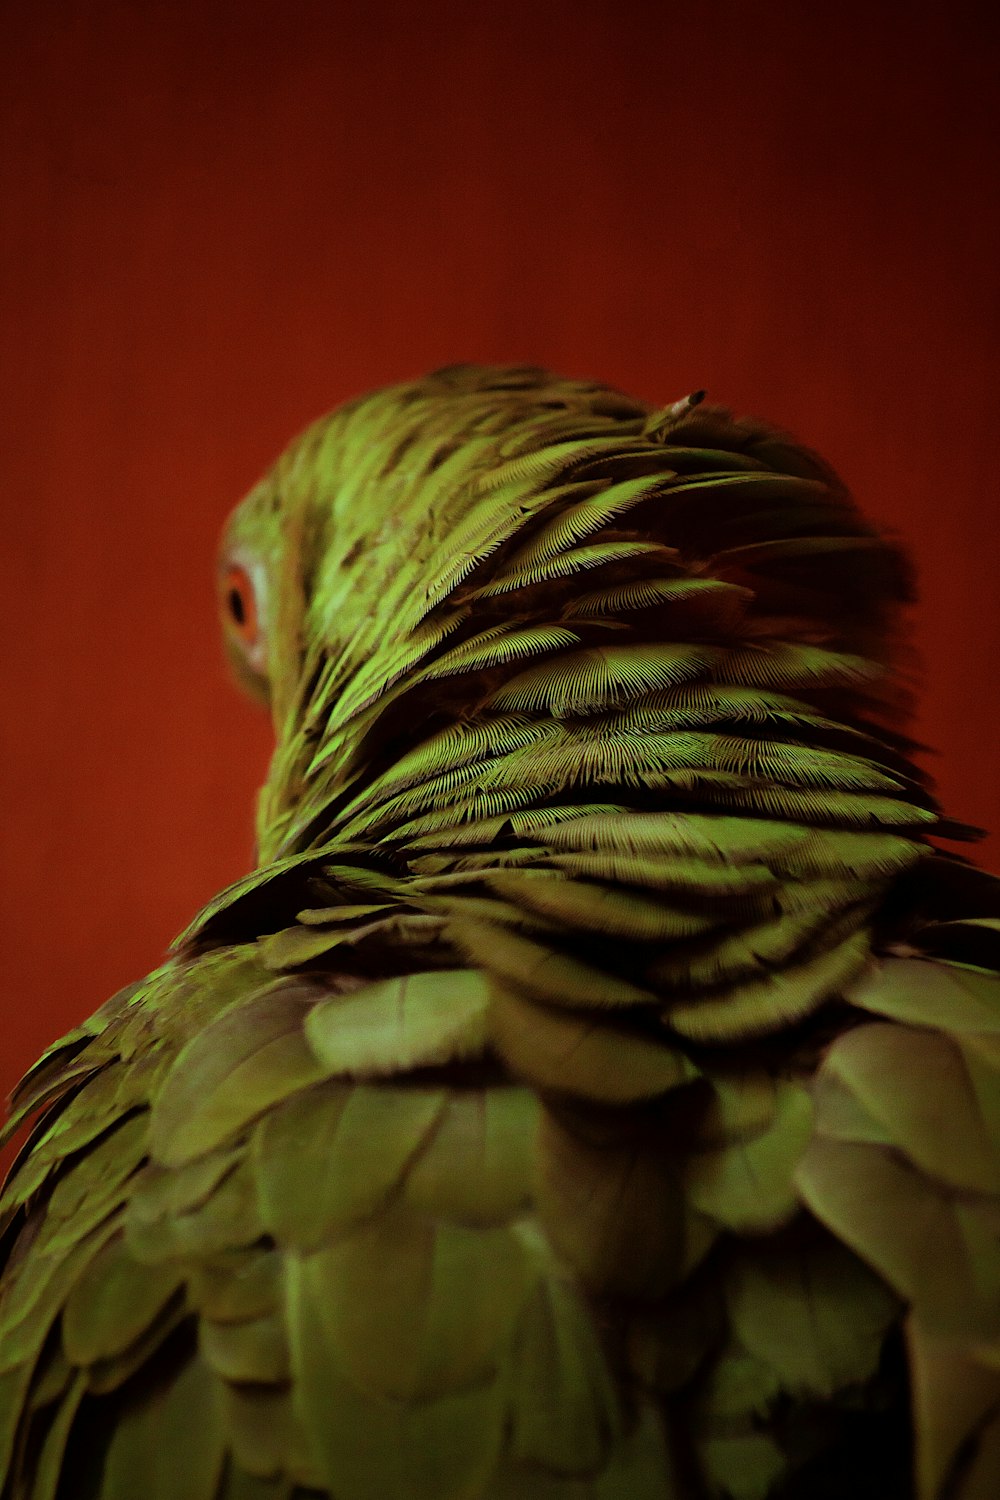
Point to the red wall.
(220, 219)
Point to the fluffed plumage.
(593, 1093)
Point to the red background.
(221, 219)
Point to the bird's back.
(594, 1092)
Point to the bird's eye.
(240, 604)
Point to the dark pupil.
(236, 607)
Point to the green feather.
(250, 1352)
(712, 461)
(542, 464)
(609, 910)
(742, 1466)
(930, 1111)
(368, 688)
(683, 879)
(615, 1213)
(955, 1399)
(602, 677)
(249, 1059)
(937, 1252)
(190, 1446)
(113, 1302)
(131, 1456)
(566, 1414)
(495, 648)
(542, 971)
(366, 1345)
(478, 1167)
(262, 1432)
(49, 1465)
(786, 1306)
(576, 560)
(711, 597)
(748, 1186)
(742, 1104)
(35, 1294)
(236, 1285)
(458, 744)
(227, 1219)
(333, 1155)
(584, 517)
(798, 665)
(780, 548)
(753, 950)
(920, 993)
(394, 1024)
(578, 1055)
(774, 1000)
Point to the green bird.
(593, 1092)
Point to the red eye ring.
(240, 604)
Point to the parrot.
(593, 1091)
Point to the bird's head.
(426, 518)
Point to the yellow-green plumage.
(593, 1094)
